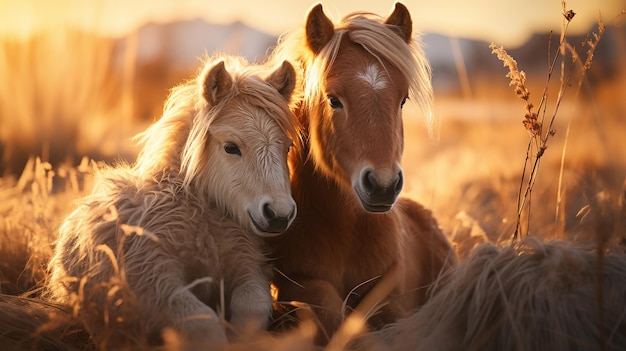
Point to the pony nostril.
(276, 222)
(268, 212)
(369, 181)
(399, 183)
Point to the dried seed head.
(518, 82)
(532, 125)
(569, 15)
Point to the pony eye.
(403, 102)
(232, 148)
(334, 102)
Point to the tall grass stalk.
(539, 136)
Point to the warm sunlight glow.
(507, 23)
(274, 292)
(82, 80)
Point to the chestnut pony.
(351, 226)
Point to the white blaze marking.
(374, 77)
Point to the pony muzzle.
(378, 191)
(272, 219)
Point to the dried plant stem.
(559, 215)
(539, 135)
(461, 69)
(520, 205)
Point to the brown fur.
(531, 295)
(336, 244)
(159, 238)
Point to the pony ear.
(283, 79)
(319, 29)
(217, 83)
(401, 22)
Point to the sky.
(505, 22)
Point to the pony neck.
(315, 192)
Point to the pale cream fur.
(177, 224)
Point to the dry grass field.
(71, 112)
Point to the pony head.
(357, 77)
(227, 134)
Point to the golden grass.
(30, 211)
(471, 178)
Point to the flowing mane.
(379, 39)
(175, 142)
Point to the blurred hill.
(180, 44)
(166, 54)
(170, 52)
